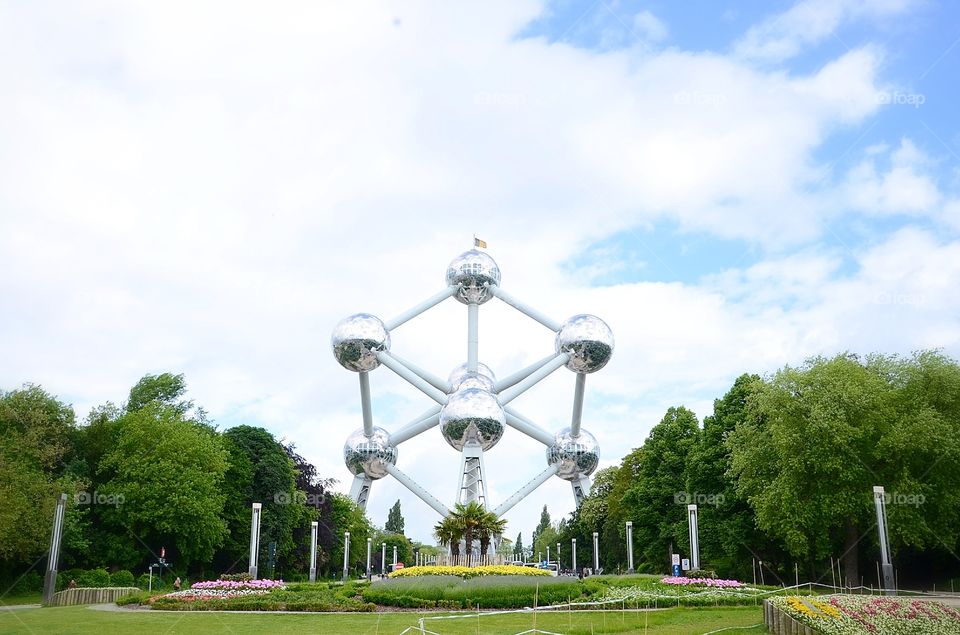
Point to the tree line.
(783, 473)
(155, 474)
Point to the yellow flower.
(468, 572)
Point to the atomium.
(589, 341)
(472, 272)
(577, 456)
(472, 415)
(471, 410)
(357, 339)
(367, 455)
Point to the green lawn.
(28, 598)
(79, 619)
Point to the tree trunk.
(851, 568)
(468, 545)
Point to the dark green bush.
(64, 577)
(94, 578)
(121, 578)
(29, 582)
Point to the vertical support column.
(383, 560)
(360, 490)
(548, 555)
(313, 551)
(578, 405)
(394, 557)
(558, 557)
(473, 486)
(694, 537)
(581, 489)
(630, 546)
(596, 553)
(473, 330)
(365, 405)
(346, 556)
(254, 538)
(50, 579)
(573, 554)
(879, 499)
(369, 547)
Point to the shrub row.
(498, 592)
(92, 578)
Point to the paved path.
(13, 607)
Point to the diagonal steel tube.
(396, 366)
(518, 422)
(513, 392)
(440, 384)
(418, 491)
(431, 302)
(524, 491)
(520, 375)
(422, 423)
(553, 325)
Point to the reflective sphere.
(356, 341)
(589, 341)
(472, 414)
(576, 456)
(367, 455)
(476, 380)
(458, 374)
(472, 271)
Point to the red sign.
(163, 552)
(399, 565)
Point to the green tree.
(489, 527)
(348, 516)
(518, 547)
(655, 500)
(542, 526)
(394, 519)
(165, 388)
(162, 486)
(273, 483)
(36, 433)
(449, 532)
(469, 518)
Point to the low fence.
(69, 597)
(469, 561)
(779, 623)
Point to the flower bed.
(863, 615)
(708, 582)
(468, 572)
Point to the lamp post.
(346, 555)
(313, 551)
(694, 537)
(369, 546)
(573, 554)
(383, 561)
(558, 558)
(630, 546)
(50, 581)
(596, 552)
(879, 499)
(254, 539)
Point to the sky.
(207, 188)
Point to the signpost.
(675, 562)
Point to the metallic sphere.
(357, 339)
(472, 414)
(367, 455)
(577, 456)
(476, 380)
(472, 271)
(589, 341)
(458, 374)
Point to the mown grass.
(85, 621)
(20, 598)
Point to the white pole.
(313, 551)
(558, 557)
(889, 582)
(50, 581)
(630, 546)
(346, 555)
(365, 406)
(596, 552)
(694, 537)
(573, 555)
(369, 546)
(383, 560)
(394, 557)
(254, 538)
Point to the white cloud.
(808, 23)
(907, 187)
(649, 27)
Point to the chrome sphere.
(368, 455)
(458, 374)
(472, 271)
(577, 456)
(357, 339)
(472, 414)
(589, 341)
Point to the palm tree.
(468, 518)
(490, 525)
(449, 532)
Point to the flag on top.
(479, 243)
